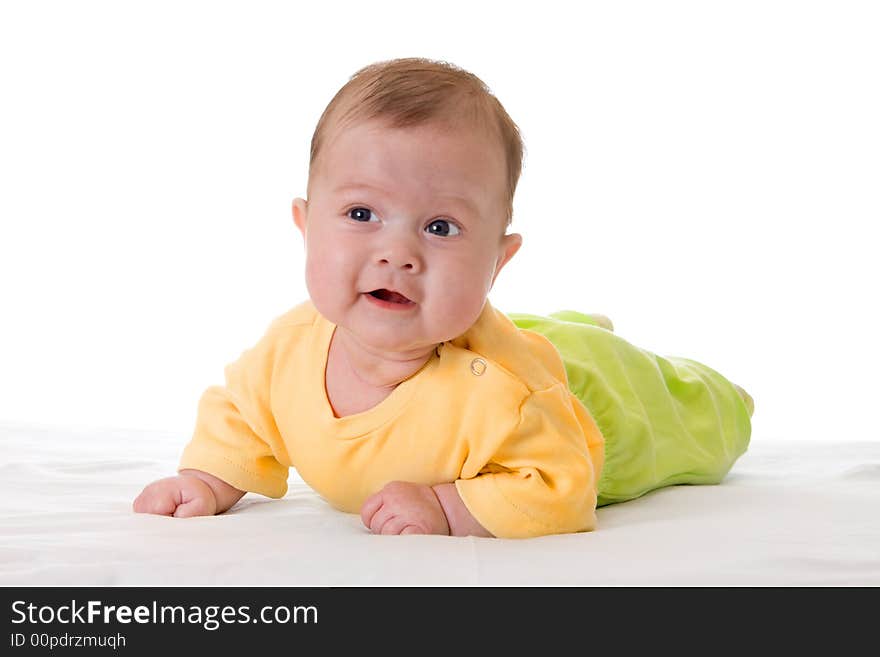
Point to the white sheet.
(789, 513)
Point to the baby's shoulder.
(523, 356)
(303, 314)
(286, 337)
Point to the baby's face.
(417, 212)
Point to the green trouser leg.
(665, 420)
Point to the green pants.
(665, 420)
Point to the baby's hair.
(415, 91)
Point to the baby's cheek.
(331, 278)
(318, 276)
(458, 310)
(326, 263)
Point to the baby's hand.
(182, 496)
(402, 507)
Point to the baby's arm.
(461, 522)
(403, 507)
(191, 493)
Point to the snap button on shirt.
(478, 366)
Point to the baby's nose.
(402, 259)
(401, 253)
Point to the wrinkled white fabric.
(789, 513)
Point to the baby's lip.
(388, 294)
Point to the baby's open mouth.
(390, 296)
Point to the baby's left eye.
(364, 214)
(442, 228)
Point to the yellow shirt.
(493, 414)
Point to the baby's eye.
(362, 215)
(442, 228)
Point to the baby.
(397, 391)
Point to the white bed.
(789, 513)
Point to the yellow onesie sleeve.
(541, 478)
(236, 438)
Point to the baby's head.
(414, 164)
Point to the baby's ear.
(509, 246)
(300, 213)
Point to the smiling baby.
(398, 391)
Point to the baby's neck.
(373, 369)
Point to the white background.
(705, 173)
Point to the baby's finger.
(195, 499)
(379, 519)
(155, 502)
(197, 506)
(394, 526)
(373, 504)
(138, 506)
(411, 529)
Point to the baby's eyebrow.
(346, 186)
(456, 199)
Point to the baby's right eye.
(362, 215)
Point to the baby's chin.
(404, 343)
